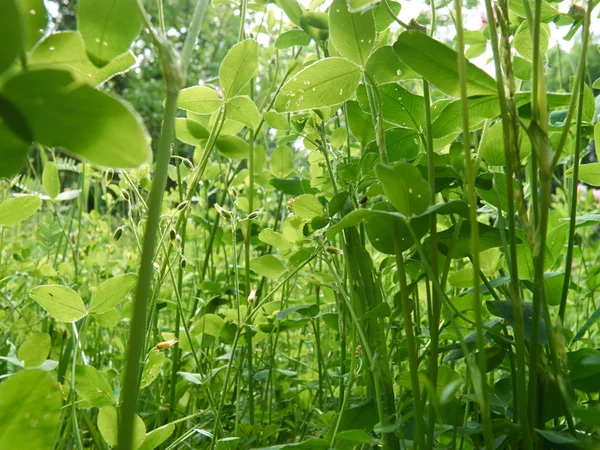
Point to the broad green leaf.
(339, 138)
(77, 117)
(111, 292)
(210, 324)
(360, 123)
(352, 34)
(362, 5)
(327, 82)
(30, 404)
(10, 33)
(547, 12)
(492, 145)
(152, 367)
(190, 131)
(355, 436)
(489, 237)
(292, 9)
(34, 21)
(503, 308)
(233, 147)
(588, 173)
(308, 207)
(282, 161)
(276, 120)
(34, 351)
(13, 149)
(383, 18)
(93, 386)
(15, 210)
(157, 436)
(238, 67)
(399, 106)
(523, 44)
(66, 51)
(243, 110)
(108, 27)
(315, 24)
(199, 99)
(50, 180)
(292, 38)
(384, 66)
(402, 144)
(449, 120)
(107, 424)
(267, 266)
(438, 64)
(274, 239)
(405, 188)
(61, 302)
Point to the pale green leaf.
(352, 34)
(327, 82)
(108, 27)
(282, 161)
(156, 437)
(50, 180)
(588, 173)
(93, 387)
(34, 351)
(210, 324)
(242, 109)
(438, 64)
(292, 38)
(238, 67)
(15, 210)
(307, 206)
(30, 405)
(276, 120)
(274, 239)
(91, 124)
(152, 368)
(108, 423)
(233, 147)
(405, 188)
(199, 99)
(112, 292)
(66, 51)
(61, 302)
(267, 266)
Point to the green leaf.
(242, 109)
(292, 38)
(152, 368)
(449, 120)
(34, 21)
(523, 44)
(402, 144)
(274, 239)
(15, 210)
(233, 147)
(156, 437)
(489, 237)
(34, 351)
(238, 67)
(405, 188)
(77, 117)
(383, 18)
(492, 145)
(503, 308)
(199, 99)
(353, 35)
(586, 326)
(50, 180)
(292, 9)
(10, 33)
(315, 24)
(13, 149)
(276, 120)
(384, 66)
(108, 27)
(355, 436)
(308, 207)
(561, 438)
(111, 292)
(438, 64)
(267, 266)
(360, 123)
(61, 302)
(588, 173)
(362, 5)
(399, 106)
(327, 82)
(93, 386)
(282, 161)
(66, 51)
(305, 310)
(30, 404)
(210, 324)
(107, 424)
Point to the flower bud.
(252, 296)
(172, 235)
(183, 262)
(576, 12)
(222, 211)
(166, 344)
(125, 195)
(254, 215)
(118, 234)
(108, 176)
(334, 251)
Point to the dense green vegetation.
(279, 225)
